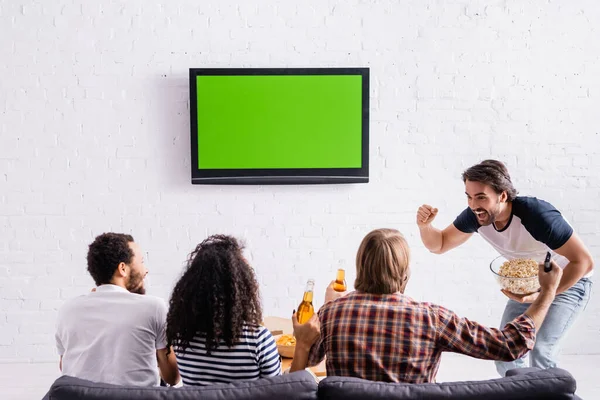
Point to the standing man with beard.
(519, 227)
(115, 334)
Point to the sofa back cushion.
(552, 384)
(296, 386)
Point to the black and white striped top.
(254, 356)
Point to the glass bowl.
(514, 285)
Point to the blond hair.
(382, 262)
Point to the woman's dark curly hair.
(215, 297)
(105, 254)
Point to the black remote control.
(547, 265)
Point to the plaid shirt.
(393, 338)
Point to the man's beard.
(136, 284)
(485, 217)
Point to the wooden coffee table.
(319, 370)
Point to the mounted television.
(279, 125)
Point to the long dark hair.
(493, 173)
(215, 297)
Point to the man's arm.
(167, 364)
(306, 335)
(59, 346)
(439, 242)
(547, 225)
(165, 357)
(513, 341)
(435, 240)
(461, 335)
(269, 362)
(580, 262)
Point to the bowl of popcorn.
(518, 276)
(286, 344)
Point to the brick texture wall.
(94, 137)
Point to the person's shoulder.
(336, 304)
(429, 305)
(146, 299)
(74, 301)
(257, 333)
(71, 305)
(528, 206)
(256, 330)
(543, 221)
(358, 300)
(466, 221)
(425, 311)
(349, 298)
(148, 303)
(150, 298)
(410, 302)
(435, 310)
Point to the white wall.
(94, 125)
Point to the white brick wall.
(94, 137)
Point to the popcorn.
(519, 276)
(519, 268)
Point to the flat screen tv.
(279, 125)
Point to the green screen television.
(279, 125)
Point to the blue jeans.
(562, 313)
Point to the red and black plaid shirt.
(393, 338)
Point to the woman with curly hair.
(214, 318)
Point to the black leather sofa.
(520, 384)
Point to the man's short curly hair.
(105, 254)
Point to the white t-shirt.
(111, 336)
(534, 228)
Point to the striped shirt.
(254, 356)
(392, 338)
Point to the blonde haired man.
(380, 334)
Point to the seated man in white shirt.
(115, 334)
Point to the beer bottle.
(306, 309)
(340, 281)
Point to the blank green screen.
(279, 121)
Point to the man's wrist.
(547, 295)
(303, 346)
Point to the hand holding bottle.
(337, 288)
(306, 308)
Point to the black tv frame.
(280, 176)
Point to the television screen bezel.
(280, 175)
